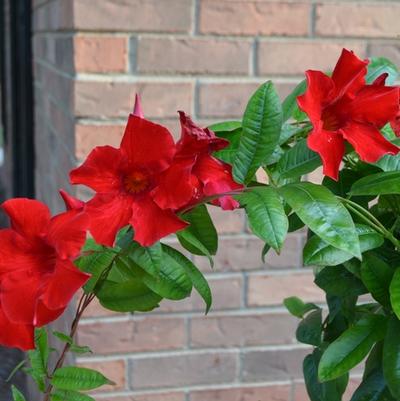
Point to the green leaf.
(309, 330)
(197, 278)
(298, 160)
(74, 378)
(380, 65)
(128, 296)
(389, 162)
(391, 356)
(148, 258)
(378, 184)
(65, 395)
(297, 307)
(266, 215)
(319, 209)
(228, 154)
(261, 128)
(17, 395)
(394, 290)
(317, 252)
(376, 276)
(373, 388)
(289, 105)
(336, 280)
(77, 349)
(38, 358)
(225, 126)
(351, 347)
(200, 237)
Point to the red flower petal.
(349, 74)
(151, 223)
(175, 188)
(147, 145)
(28, 217)
(395, 124)
(375, 104)
(137, 109)
(216, 177)
(368, 142)
(44, 315)
(380, 81)
(101, 170)
(319, 92)
(108, 214)
(67, 233)
(196, 140)
(61, 286)
(16, 335)
(330, 146)
(71, 203)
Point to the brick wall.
(205, 57)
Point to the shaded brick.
(193, 56)
(184, 370)
(116, 99)
(227, 222)
(243, 330)
(133, 15)
(226, 291)
(267, 393)
(246, 17)
(358, 19)
(267, 289)
(100, 53)
(224, 100)
(295, 57)
(113, 370)
(144, 334)
(54, 16)
(388, 50)
(150, 397)
(271, 365)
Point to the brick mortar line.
(127, 356)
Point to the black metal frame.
(17, 95)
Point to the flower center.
(136, 182)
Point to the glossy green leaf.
(289, 105)
(317, 252)
(197, 278)
(148, 258)
(351, 347)
(74, 378)
(17, 395)
(309, 330)
(394, 290)
(200, 237)
(69, 395)
(266, 215)
(319, 209)
(297, 307)
(261, 127)
(228, 154)
(336, 280)
(389, 162)
(225, 126)
(378, 184)
(381, 65)
(298, 160)
(38, 358)
(391, 356)
(373, 388)
(77, 349)
(128, 296)
(377, 276)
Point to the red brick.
(133, 15)
(183, 370)
(193, 56)
(295, 57)
(246, 17)
(243, 330)
(264, 393)
(116, 99)
(100, 54)
(226, 291)
(227, 222)
(358, 19)
(53, 16)
(144, 334)
(113, 370)
(268, 289)
(149, 397)
(224, 100)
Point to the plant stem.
(83, 303)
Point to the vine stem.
(83, 303)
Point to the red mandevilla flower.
(343, 108)
(37, 276)
(149, 179)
